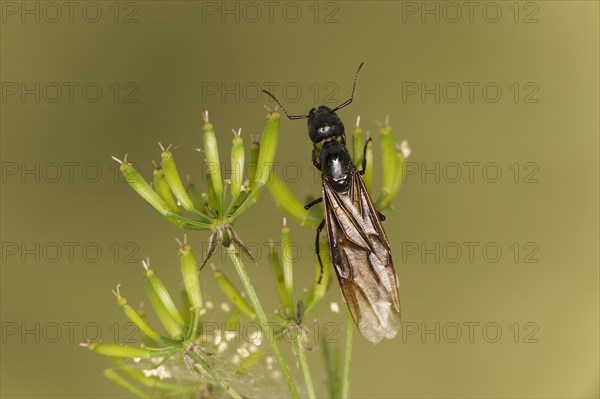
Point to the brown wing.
(361, 256)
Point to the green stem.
(115, 377)
(262, 317)
(304, 365)
(331, 358)
(347, 357)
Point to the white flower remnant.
(255, 337)
(335, 308)
(161, 372)
(405, 148)
(218, 338)
(243, 351)
(222, 347)
(230, 335)
(269, 360)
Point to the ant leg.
(318, 247)
(315, 158)
(364, 158)
(313, 203)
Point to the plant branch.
(261, 316)
(300, 351)
(347, 357)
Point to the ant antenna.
(347, 102)
(282, 107)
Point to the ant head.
(324, 123)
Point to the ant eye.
(324, 129)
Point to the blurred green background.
(476, 88)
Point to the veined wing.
(361, 256)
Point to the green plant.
(192, 358)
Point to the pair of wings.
(360, 252)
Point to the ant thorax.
(336, 164)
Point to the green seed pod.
(287, 202)
(288, 266)
(368, 176)
(268, 147)
(163, 305)
(388, 159)
(234, 295)
(211, 199)
(320, 288)
(196, 197)
(212, 159)
(186, 306)
(264, 165)
(117, 350)
(146, 340)
(174, 329)
(194, 324)
(254, 151)
(237, 164)
(162, 189)
(135, 317)
(176, 185)
(402, 151)
(233, 323)
(358, 143)
(279, 278)
(189, 272)
(141, 186)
